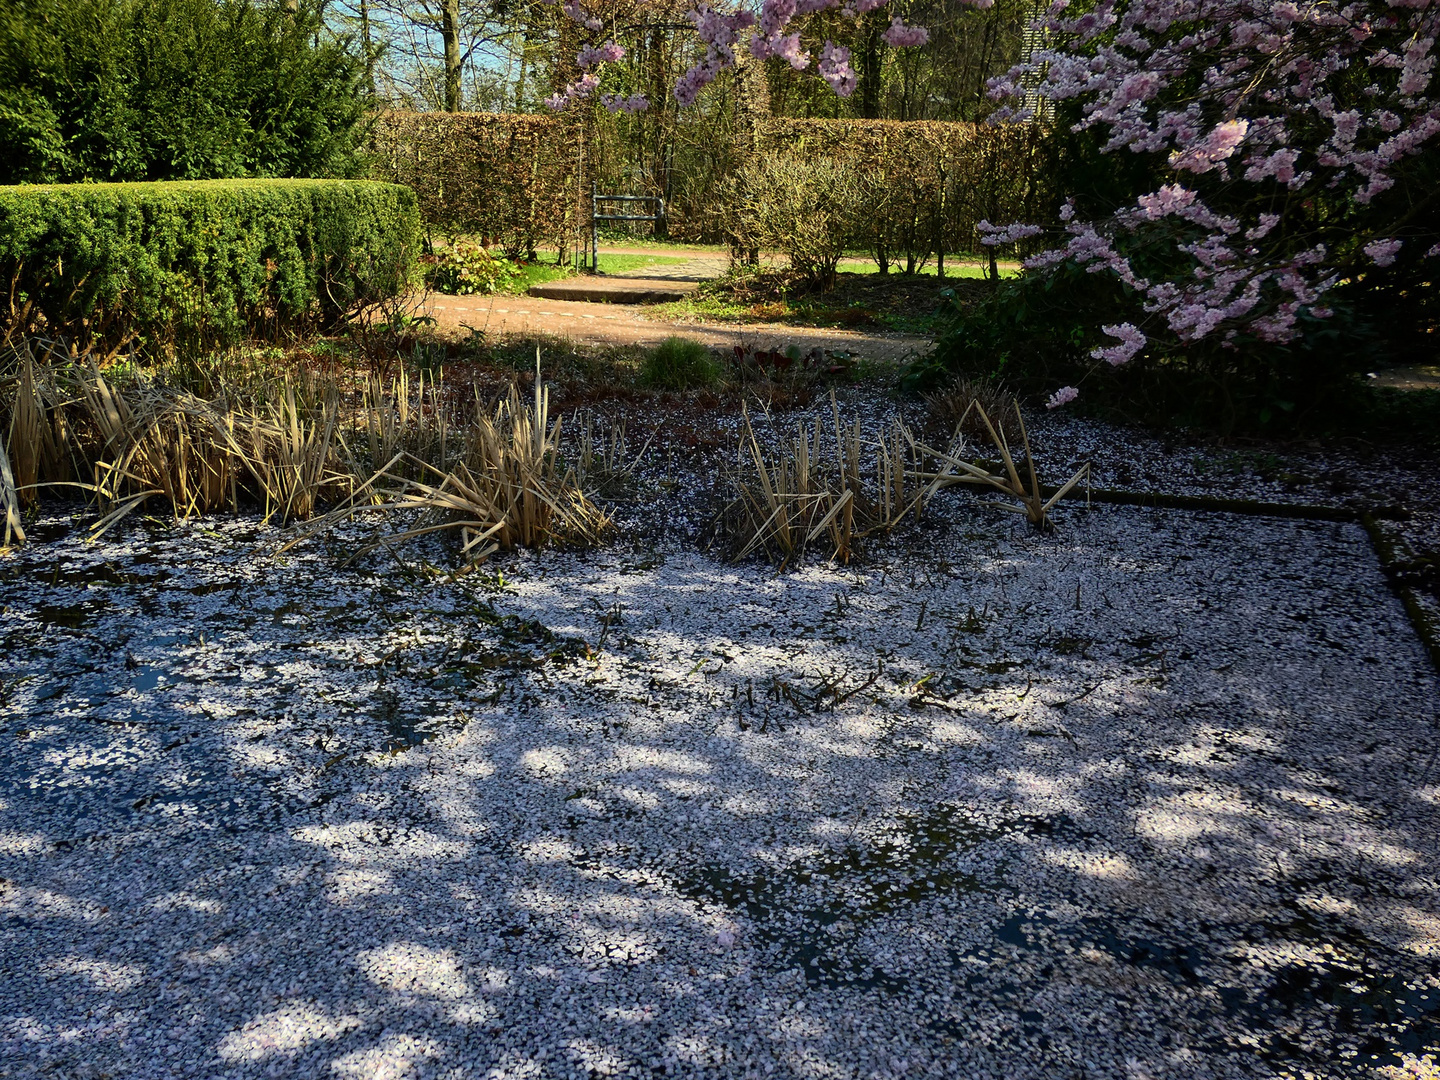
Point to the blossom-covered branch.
(1258, 110)
(769, 34)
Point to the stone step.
(597, 289)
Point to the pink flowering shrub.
(1242, 169)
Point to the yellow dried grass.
(141, 441)
(955, 470)
(508, 488)
(811, 489)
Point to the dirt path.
(623, 324)
(1415, 377)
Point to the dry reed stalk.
(508, 488)
(415, 427)
(604, 459)
(29, 445)
(144, 442)
(294, 458)
(1033, 503)
(809, 490)
(10, 502)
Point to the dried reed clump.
(509, 485)
(71, 426)
(289, 449)
(953, 408)
(812, 489)
(1034, 504)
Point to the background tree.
(450, 54)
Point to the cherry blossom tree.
(1276, 132)
(726, 34)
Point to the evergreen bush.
(130, 90)
(218, 258)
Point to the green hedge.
(215, 258)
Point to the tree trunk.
(872, 55)
(450, 34)
(367, 46)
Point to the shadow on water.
(813, 909)
(1373, 1012)
(821, 915)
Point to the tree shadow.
(1131, 802)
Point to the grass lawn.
(909, 303)
(546, 269)
(650, 243)
(617, 265)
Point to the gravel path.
(1155, 797)
(627, 324)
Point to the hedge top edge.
(164, 186)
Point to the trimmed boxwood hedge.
(215, 258)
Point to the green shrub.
(215, 258)
(810, 210)
(927, 183)
(128, 90)
(679, 364)
(467, 270)
(1034, 334)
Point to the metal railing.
(596, 199)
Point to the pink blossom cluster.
(594, 55)
(719, 32)
(576, 12)
(1063, 396)
(900, 36)
(995, 235)
(772, 36)
(1255, 106)
(619, 103)
(579, 90)
(1131, 342)
(1383, 252)
(835, 69)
